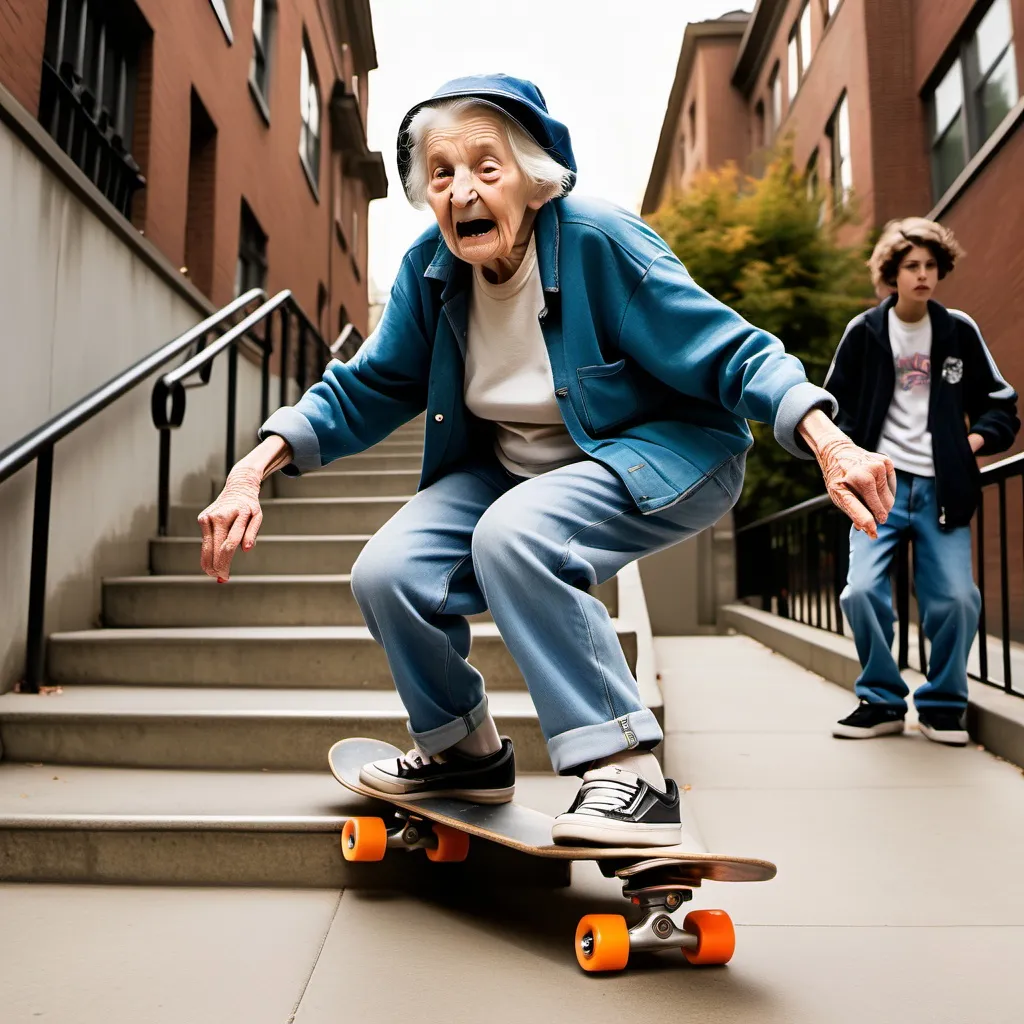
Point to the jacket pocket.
(609, 396)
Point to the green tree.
(761, 246)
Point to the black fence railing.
(200, 345)
(795, 562)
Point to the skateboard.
(657, 880)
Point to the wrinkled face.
(918, 275)
(477, 192)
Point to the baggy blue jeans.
(528, 550)
(949, 600)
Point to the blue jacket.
(654, 377)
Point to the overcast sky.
(604, 72)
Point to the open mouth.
(473, 228)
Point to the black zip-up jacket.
(968, 395)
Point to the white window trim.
(221, 11)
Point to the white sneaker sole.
(850, 732)
(950, 737)
(390, 786)
(602, 832)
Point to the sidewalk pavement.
(900, 898)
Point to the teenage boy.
(916, 382)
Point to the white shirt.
(508, 372)
(906, 438)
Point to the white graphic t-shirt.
(906, 438)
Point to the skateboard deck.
(527, 830)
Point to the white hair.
(549, 177)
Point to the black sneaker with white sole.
(616, 807)
(482, 780)
(943, 725)
(869, 720)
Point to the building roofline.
(761, 29)
(357, 16)
(728, 26)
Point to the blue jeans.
(949, 600)
(529, 550)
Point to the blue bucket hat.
(518, 99)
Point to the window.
(309, 107)
(829, 7)
(812, 179)
(760, 127)
(202, 177)
(251, 269)
(87, 98)
(221, 10)
(692, 117)
(799, 52)
(842, 170)
(775, 88)
(264, 15)
(977, 90)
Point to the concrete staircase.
(188, 741)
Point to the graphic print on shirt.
(913, 371)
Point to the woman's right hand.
(233, 518)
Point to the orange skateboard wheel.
(364, 839)
(716, 937)
(602, 942)
(452, 845)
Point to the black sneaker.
(943, 725)
(869, 720)
(616, 807)
(482, 780)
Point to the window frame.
(840, 191)
(250, 253)
(964, 52)
(775, 99)
(310, 162)
(798, 63)
(262, 49)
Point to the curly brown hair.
(900, 236)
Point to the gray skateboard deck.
(529, 831)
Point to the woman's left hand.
(860, 483)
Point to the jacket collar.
(455, 274)
(878, 318)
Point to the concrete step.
(73, 823)
(347, 483)
(374, 460)
(218, 728)
(310, 555)
(292, 516)
(327, 657)
(278, 600)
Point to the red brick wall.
(838, 62)
(254, 160)
(22, 38)
(722, 112)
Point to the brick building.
(232, 133)
(911, 107)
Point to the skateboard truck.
(367, 839)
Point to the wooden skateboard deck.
(659, 880)
(527, 830)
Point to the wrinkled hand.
(233, 518)
(860, 483)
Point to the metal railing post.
(35, 638)
(301, 370)
(163, 494)
(285, 331)
(229, 444)
(268, 341)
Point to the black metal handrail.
(168, 400)
(38, 446)
(796, 561)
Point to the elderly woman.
(585, 406)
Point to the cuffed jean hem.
(436, 741)
(575, 747)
